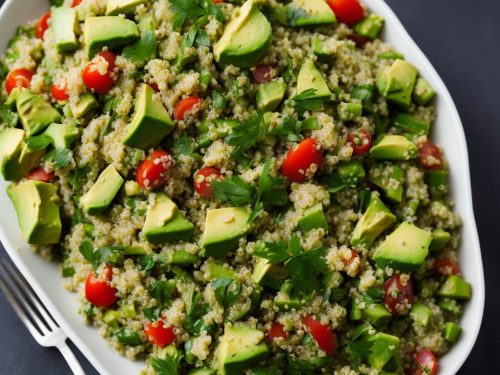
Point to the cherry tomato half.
(75, 3)
(323, 335)
(347, 262)
(302, 161)
(431, 156)
(39, 174)
(347, 11)
(398, 294)
(262, 73)
(277, 330)
(186, 105)
(18, 78)
(158, 334)
(359, 40)
(154, 86)
(42, 25)
(152, 173)
(98, 73)
(98, 291)
(445, 267)
(217, 1)
(360, 141)
(59, 91)
(426, 363)
(203, 180)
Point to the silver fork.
(34, 315)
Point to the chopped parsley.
(307, 101)
(61, 157)
(194, 10)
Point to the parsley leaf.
(162, 291)
(306, 101)
(184, 146)
(86, 249)
(258, 208)
(110, 255)
(60, 157)
(202, 38)
(193, 10)
(79, 177)
(245, 135)
(38, 142)
(142, 50)
(272, 189)
(56, 3)
(7, 116)
(274, 252)
(303, 270)
(233, 190)
(226, 291)
(168, 365)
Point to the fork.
(34, 315)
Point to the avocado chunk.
(390, 178)
(223, 229)
(383, 349)
(165, 223)
(374, 221)
(11, 141)
(397, 82)
(310, 13)
(455, 287)
(271, 94)
(218, 272)
(29, 159)
(246, 38)
(313, 218)
(421, 314)
(99, 197)
(108, 31)
(452, 331)
(394, 147)
(405, 249)
(239, 348)
(202, 371)
(377, 315)
(370, 26)
(423, 92)
(65, 26)
(35, 113)
(409, 124)
(151, 122)
(320, 50)
(116, 7)
(62, 136)
(348, 174)
(310, 78)
(440, 238)
(84, 105)
(267, 274)
(349, 111)
(37, 211)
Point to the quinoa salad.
(235, 187)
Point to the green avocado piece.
(394, 147)
(181, 258)
(202, 371)
(397, 82)
(383, 348)
(116, 7)
(11, 143)
(29, 158)
(37, 211)
(423, 92)
(165, 223)
(84, 105)
(440, 238)
(310, 13)
(405, 249)
(99, 197)
(151, 122)
(319, 49)
(377, 315)
(246, 38)
(313, 218)
(65, 25)
(310, 78)
(374, 221)
(284, 302)
(455, 287)
(35, 113)
(390, 178)
(62, 136)
(370, 26)
(215, 271)
(349, 111)
(271, 94)
(409, 124)
(421, 314)
(451, 331)
(267, 274)
(108, 31)
(348, 174)
(355, 312)
(239, 348)
(223, 229)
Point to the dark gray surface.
(461, 38)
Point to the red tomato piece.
(322, 334)
(426, 363)
(360, 141)
(347, 11)
(359, 40)
(277, 330)
(398, 294)
(262, 73)
(217, 1)
(431, 156)
(98, 73)
(302, 161)
(42, 25)
(154, 86)
(351, 259)
(445, 267)
(59, 91)
(186, 105)
(153, 172)
(203, 180)
(39, 174)
(98, 290)
(75, 3)
(18, 78)
(160, 335)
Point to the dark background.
(462, 40)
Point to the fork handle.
(70, 358)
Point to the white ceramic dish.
(448, 132)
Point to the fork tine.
(31, 295)
(20, 296)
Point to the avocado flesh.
(116, 7)
(64, 26)
(271, 94)
(246, 38)
(37, 211)
(440, 238)
(383, 348)
(310, 13)
(84, 105)
(11, 141)
(451, 331)
(239, 348)
(151, 122)
(390, 178)
(405, 249)
(62, 136)
(397, 82)
(310, 78)
(394, 147)
(202, 371)
(421, 314)
(35, 113)
(377, 315)
(423, 92)
(370, 26)
(108, 31)
(374, 221)
(455, 287)
(223, 229)
(99, 197)
(218, 272)
(313, 218)
(267, 274)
